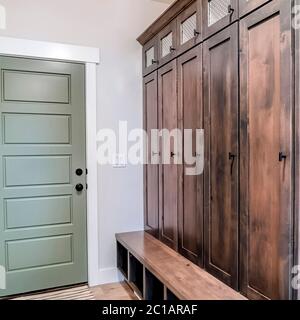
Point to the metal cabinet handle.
(173, 154)
(154, 61)
(282, 156)
(172, 49)
(196, 33)
(230, 9)
(232, 159)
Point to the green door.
(42, 144)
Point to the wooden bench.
(156, 272)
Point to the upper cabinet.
(174, 32)
(189, 27)
(150, 56)
(247, 6)
(167, 43)
(218, 14)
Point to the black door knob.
(79, 187)
(79, 172)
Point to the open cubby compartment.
(170, 295)
(136, 275)
(122, 259)
(154, 288)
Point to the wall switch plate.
(119, 161)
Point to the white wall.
(112, 26)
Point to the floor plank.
(114, 291)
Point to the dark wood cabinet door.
(246, 6)
(151, 170)
(189, 27)
(167, 102)
(266, 152)
(167, 44)
(150, 56)
(190, 195)
(217, 15)
(297, 158)
(220, 63)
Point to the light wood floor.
(114, 291)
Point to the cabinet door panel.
(167, 44)
(189, 27)
(167, 97)
(190, 186)
(266, 131)
(150, 56)
(218, 14)
(221, 172)
(246, 6)
(151, 171)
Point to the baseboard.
(109, 275)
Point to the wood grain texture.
(167, 103)
(209, 30)
(190, 116)
(247, 6)
(186, 280)
(151, 171)
(221, 174)
(297, 153)
(167, 16)
(266, 130)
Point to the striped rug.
(75, 293)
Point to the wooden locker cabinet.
(167, 43)
(151, 170)
(190, 194)
(189, 27)
(217, 15)
(222, 155)
(150, 56)
(247, 6)
(168, 193)
(240, 219)
(266, 152)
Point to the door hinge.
(86, 171)
(87, 186)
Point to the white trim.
(48, 50)
(89, 56)
(91, 158)
(109, 275)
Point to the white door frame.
(90, 57)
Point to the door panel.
(221, 173)
(246, 6)
(36, 129)
(190, 187)
(42, 216)
(266, 124)
(151, 171)
(35, 87)
(167, 102)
